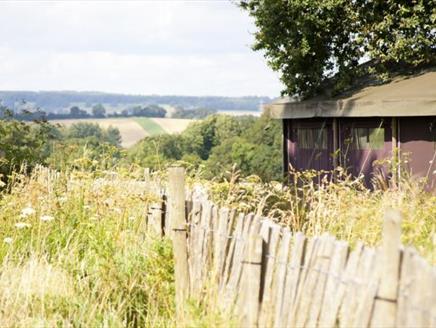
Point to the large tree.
(309, 41)
(99, 111)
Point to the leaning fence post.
(176, 211)
(385, 305)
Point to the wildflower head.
(27, 211)
(22, 225)
(62, 199)
(8, 240)
(46, 218)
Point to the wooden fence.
(267, 276)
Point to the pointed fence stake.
(385, 306)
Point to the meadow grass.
(345, 207)
(74, 252)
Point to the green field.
(150, 126)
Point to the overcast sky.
(138, 47)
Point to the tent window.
(310, 138)
(368, 138)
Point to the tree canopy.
(216, 144)
(309, 41)
(98, 110)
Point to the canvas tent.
(362, 128)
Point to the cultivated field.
(136, 128)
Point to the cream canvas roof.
(404, 96)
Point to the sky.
(135, 47)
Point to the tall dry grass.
(74, 252)
(344, 207)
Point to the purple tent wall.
(417, 136)
(365, 161)
(307, 159)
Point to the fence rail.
(267, 276)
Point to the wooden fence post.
(147, 175)
(385, 305)
(177, 219)
(155, 219)
(253, 279)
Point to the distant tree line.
(197, 113)
(138, 111)
(53, 100)
(98, 111)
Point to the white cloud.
(162, 47)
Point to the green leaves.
(217, 143)
(23, 143)
(308, 41)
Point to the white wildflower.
(108, 202)
(86, 207)
(27, 211)
(62, 199)
(46, 218)
(22, 225)
(132, 218)
(8, 240)
(117, 210)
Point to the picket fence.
(264, 275)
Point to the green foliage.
(24, 144)
(216, 144)
(113, 136)
(92, 132)
(75, 112)
(85, 154)
(87, 146)
(197, 113)
(98, 110)
(156, 152)
(308, 41)
(255, 148)
(84, 145)
(85, 130)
